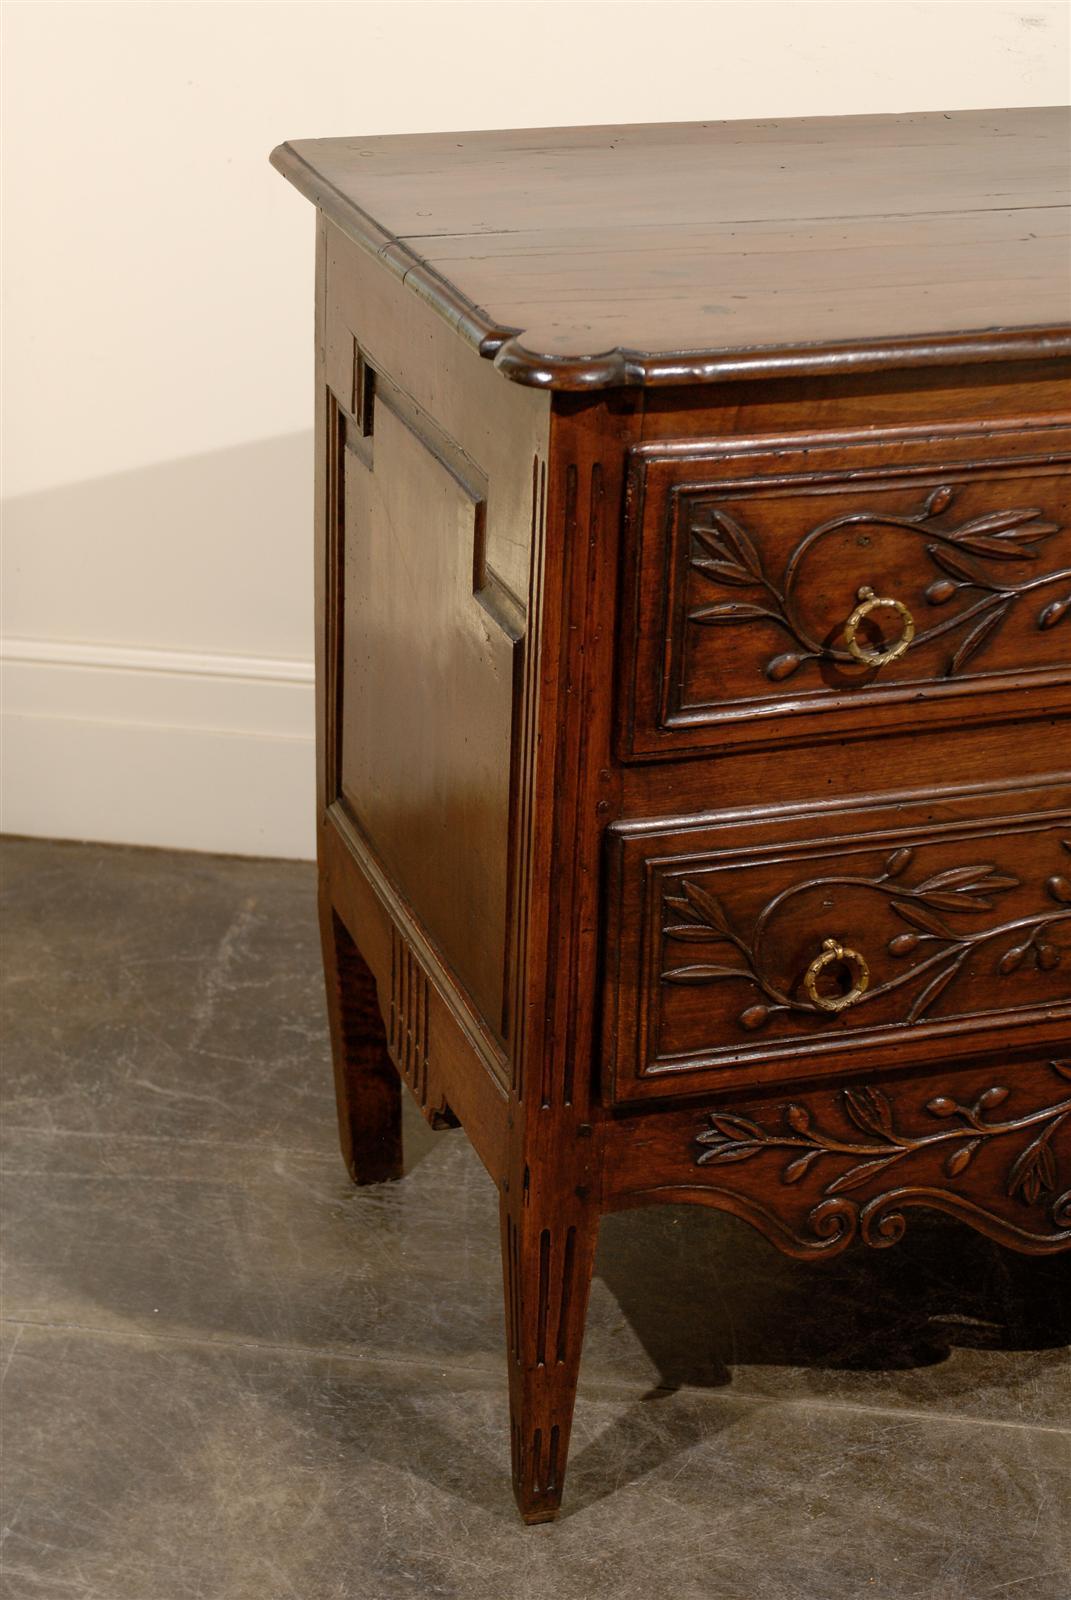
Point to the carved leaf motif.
(702, 972)
(709, 908)
(858, 1175)
(870, 1110)
(730, 553)
(728, 1152)
(948, 561)
(1033, 1173)
(800, 1167)
(976, 638)
(962, 877)
(958, 901)
(727, 611)
(731, 1126)
(1006, 549)
(738, 541)
(920, 918)
(1006, 522)
(969, 555)
(727, 572)
(694, 915)
(936, 988)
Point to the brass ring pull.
(833, 952)
(868, 602)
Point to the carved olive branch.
(724, 553)
(695, 915)
(1031, 1175)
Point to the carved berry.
(1048, 957)
(754, 1016)
(960, 1158)
(1060, 889)
(783, 666)
(903, 944)
(939, 500)
(1011, 959)
(941, 591)
(1054, 612)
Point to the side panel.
(431, 461)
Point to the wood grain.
(579, 845)
(680, 253)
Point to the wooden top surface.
(668, 253)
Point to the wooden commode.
(694, 680)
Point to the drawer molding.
(694, 913)
(747, 560)
(972, 558)
(957, 909)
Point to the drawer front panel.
(752, 556)
(954, 913)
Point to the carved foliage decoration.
(917, 1159)
(988, 563)
(922, 906)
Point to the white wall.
(157, 342)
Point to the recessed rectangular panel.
(850, 937)
(803, 587)
(426, 698)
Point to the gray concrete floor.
(230, 1375)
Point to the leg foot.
(367, 1087)
(547, 1266)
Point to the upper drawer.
(748, 558)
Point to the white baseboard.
(157, 747)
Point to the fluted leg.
(547, 1264)
(367, 1087)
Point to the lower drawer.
(818, 941)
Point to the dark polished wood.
(693, 710)
(583, 258)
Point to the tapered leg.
(367, 1087)
(547, 1264)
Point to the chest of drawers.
(693, 566)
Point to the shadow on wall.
(157, 644)
(208, 553)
